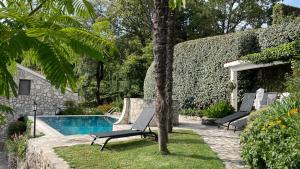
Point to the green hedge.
(198, 67)
(198, 64)
(279, 34)
(282, 12)
(282, 52)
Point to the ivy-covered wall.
(198, 64)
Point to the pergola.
(240, 65)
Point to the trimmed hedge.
(198, 67)
(198, 64)
(279, 34)
(282, 12)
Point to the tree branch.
(37, 8)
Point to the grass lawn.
(188, 150)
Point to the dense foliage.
(283, 52)
(271, 140)
(17, 145)
(16, 128)
(275, 35)
(198, 67)
(218, 110)
(209, 82)
(50, 31)
(282, 13)
(190, 107)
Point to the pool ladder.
(112, 110)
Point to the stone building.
(35, 87)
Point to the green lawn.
(188, 151)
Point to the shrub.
(271, 140)
(93, 111)
(118, 103)
(191, 112)
(72, 111)
(17, 145)
(72, 108)
(219, 110)
(70, 103)
(16, 128)
(105, 107)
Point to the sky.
(295, 3)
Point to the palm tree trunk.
(99, 78)
(160, 54)
(170, 50)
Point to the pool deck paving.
(225, 143)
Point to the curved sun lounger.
(245, 110)
(138, 128)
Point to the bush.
(219, 110)
(191, 112)
(17, 145)
(105, 107)
(271, 140)
(70, 103)
(72, 108)
(16, 128)
(72, 111)
(118, 103)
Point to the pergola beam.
(240, 65)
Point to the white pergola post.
(233, 97)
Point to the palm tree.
(160, 17)
(49, 30)
(163, 59)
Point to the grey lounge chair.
(138, 128)
(245, 110)
(268, 99)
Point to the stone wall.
(47, 97)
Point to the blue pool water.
(72, 125)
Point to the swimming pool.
(73, 125)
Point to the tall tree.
(132, 18)
(232, 15)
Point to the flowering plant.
(272, 138)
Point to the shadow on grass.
(194, 156)
(133, 144)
